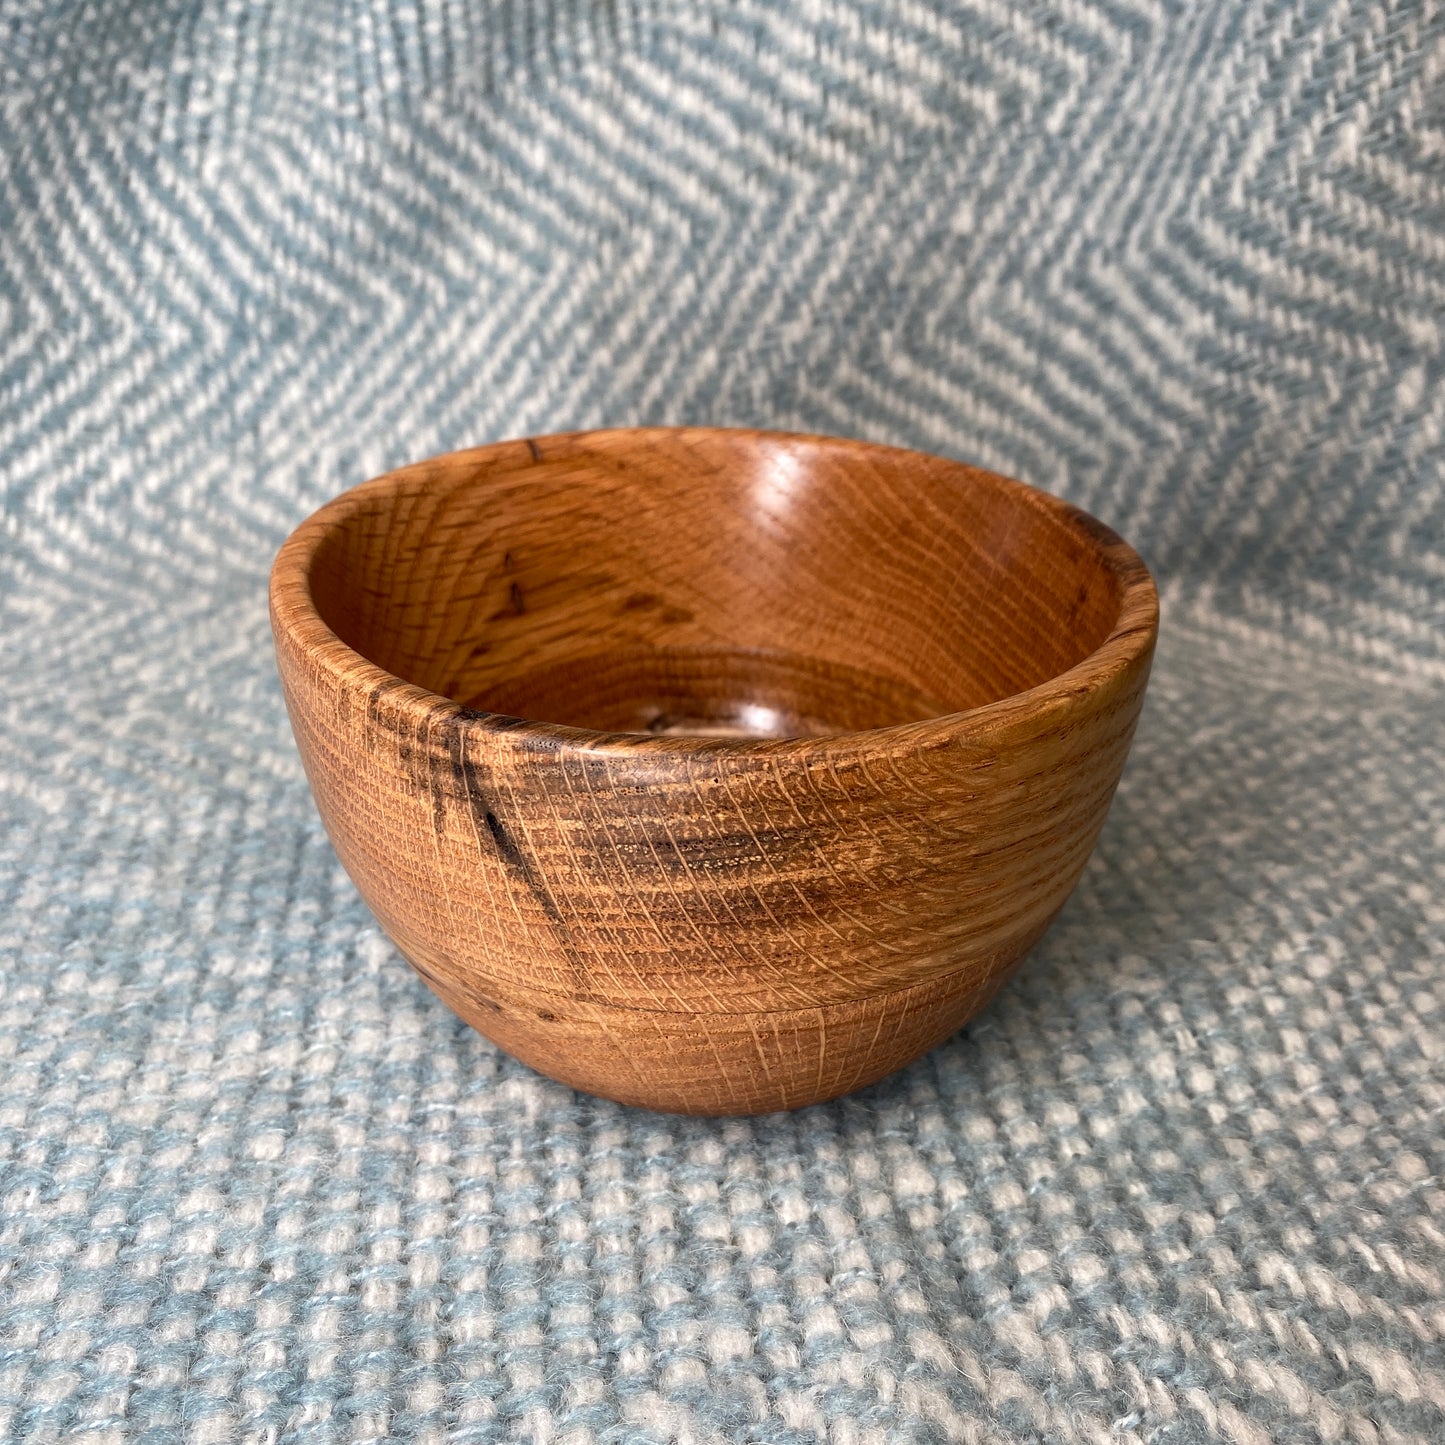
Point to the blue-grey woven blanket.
(1183, 263)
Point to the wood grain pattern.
(716, 771)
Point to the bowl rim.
(1129, 643)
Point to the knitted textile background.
(1183, 263)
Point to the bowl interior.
(712, 583)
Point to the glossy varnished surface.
(819, 737)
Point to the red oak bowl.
(715, 771)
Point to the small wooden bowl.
(716, 771)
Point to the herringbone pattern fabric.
(1184, 264)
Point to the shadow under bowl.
(714, 771)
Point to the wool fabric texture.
(1183, 264)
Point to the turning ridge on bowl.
(818, 737)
